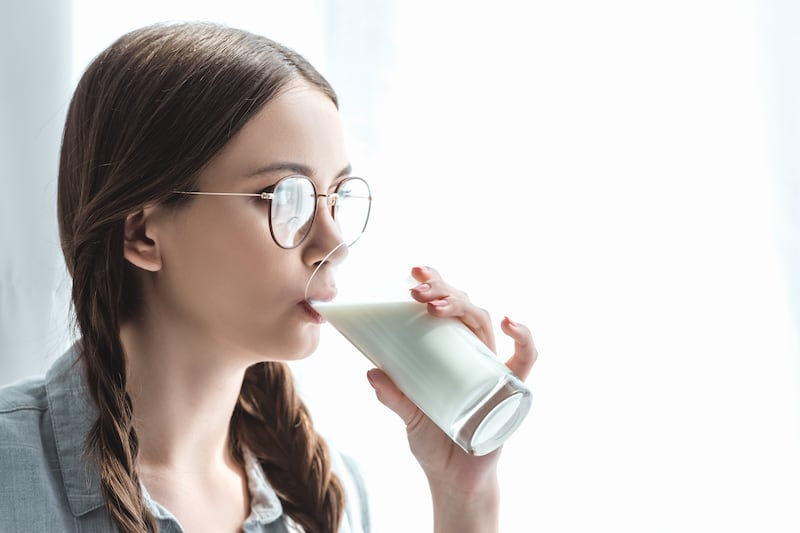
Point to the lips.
(311, 313)
(321, 287)
(321, 296)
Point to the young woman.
(203, 177)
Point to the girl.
(203, 177)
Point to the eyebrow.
(294, 168)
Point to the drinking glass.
(438, 363)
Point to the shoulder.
(23, 405)
(31, 479)
(46, 485)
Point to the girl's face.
(223, 280)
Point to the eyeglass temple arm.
(265, 195)
(262, 195)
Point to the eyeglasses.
(292, 206)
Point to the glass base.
(495, 418)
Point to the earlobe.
(140, 248)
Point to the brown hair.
(149, 112)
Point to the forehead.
(301, 126)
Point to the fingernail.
(510, 322)
(438, 303)
(370, 378)
(422, 287)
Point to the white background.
(621, 176)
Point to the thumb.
(390, 396)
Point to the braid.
(112, 440)
(271, 420)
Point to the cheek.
(230, 280)
(225, 268)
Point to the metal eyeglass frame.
(268, 194)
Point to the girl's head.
(199, 108)
(147, 117)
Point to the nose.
(325, 243)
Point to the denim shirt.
(47, 484)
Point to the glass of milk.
(439, 363)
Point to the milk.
(440, 365)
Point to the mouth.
(308, 308)
(310, 313)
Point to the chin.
(299, 347)
(310, 343)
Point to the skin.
(220, 295)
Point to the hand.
(446, 465)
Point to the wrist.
(459, 509)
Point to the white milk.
(437, 362)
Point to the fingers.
(525, 353)
(446, 301)
(390, 396)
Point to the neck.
(183, 394)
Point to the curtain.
(35, 54)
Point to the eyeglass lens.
(294, 204)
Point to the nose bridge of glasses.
(330, 198)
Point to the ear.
(141, 248)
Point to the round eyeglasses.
(292, 206)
